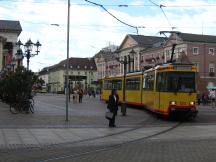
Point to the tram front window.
(176, 81)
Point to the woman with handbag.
(113, 107)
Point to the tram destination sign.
(182, 67)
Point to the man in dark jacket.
(113, 106)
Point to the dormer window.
(85, 67)
(71, 67)
(91, 67)
(211, 51)
(78, 67)
(195, 50)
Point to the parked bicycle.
(23, 106)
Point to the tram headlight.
(172, 103)
(192, 103)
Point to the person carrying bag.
(112, 107)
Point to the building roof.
(76, 64)
(10, 26)
(44, 71)
(197, 38)
(107, 55)
(143, 40)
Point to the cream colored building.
(82, 74)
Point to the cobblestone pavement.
(50, 113)
(86, 137)
(155, 151)
(47, 125)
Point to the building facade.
(150, 50)
(199, 50)
(82, 74)
(9, 32)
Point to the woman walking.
(113, 107)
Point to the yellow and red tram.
(163, 89)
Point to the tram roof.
(167, 65)
(156, 67)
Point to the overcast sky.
(92, 28)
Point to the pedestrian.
(204, 99)
(198, 98)
(113, 107)
(212, 97)
(93, 93)
(80, 95)
(89, 93)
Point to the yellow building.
(82, 74)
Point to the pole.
(68, 33)
(27, 58)
(124, 106)
(27, 63)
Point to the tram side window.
(133, 83)
(161, 82)
(117, 84)
(148, 82)
(176, 82)
(107, 84)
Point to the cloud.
(92, 29)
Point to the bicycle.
(23, 106)
(28, 105)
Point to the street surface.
(139, 136)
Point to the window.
(133, 84)
(176, 82)
(211, 51)
(148, 82)
(117, 84)
(211, 67)
(112, 84)
(195, 50)
(167, 52)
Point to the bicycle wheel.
(31, 106)
(32, 101)
(12, 106)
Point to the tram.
(165, 89)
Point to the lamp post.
(125, 62)
(28, 47)
(19, 54)
(67, 62)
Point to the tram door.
(158, 84)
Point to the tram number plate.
(182, 103)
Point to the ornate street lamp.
(127, 60)
(28, 47)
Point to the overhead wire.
(125, 5)
(161, 8)
(115, 5)
(101, 6)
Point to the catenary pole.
(67, 66)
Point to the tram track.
(109, 147)
(142, 124)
